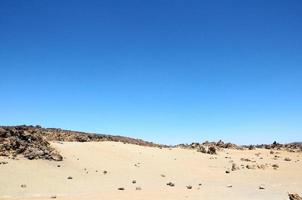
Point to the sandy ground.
(85, 163)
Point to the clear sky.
(168, 71)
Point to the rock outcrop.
(209, 147)
(18, 140)
(33, 141)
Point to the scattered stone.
(294, 197)
(261, 166)
(105, 172)
(58, 165)
(199, 184)
(227, 171)
(162, 175)
(3, 163)
(271, 152)
(69, 177)
(229, 186)
(53, 197)
(171, 184)
(261, 187)
(56, 157)
(275, 166)
(245, 159)
(287, 159)
(138, 188)
(23, 186)
(189, 187)
(121, 188)
(234, 167)
(134, 181)
(250, 166)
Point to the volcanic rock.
(294, 197)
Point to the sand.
(151, 168)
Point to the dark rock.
(294, 197)
(189, 187)
(26, 141)
(245, 159)
(275, 166)
(171, 184)
(261, 166)
(234, 167)
(287, 159)
(56, 157)
(251, 166)
(211, 150)
(201, 149)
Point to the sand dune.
(143, 173)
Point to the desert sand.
(114, 170)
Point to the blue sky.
(168, 71)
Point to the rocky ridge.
(33, 141)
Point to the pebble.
(189, 187)
(287, 159)
(261, 187)
(171, 184)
